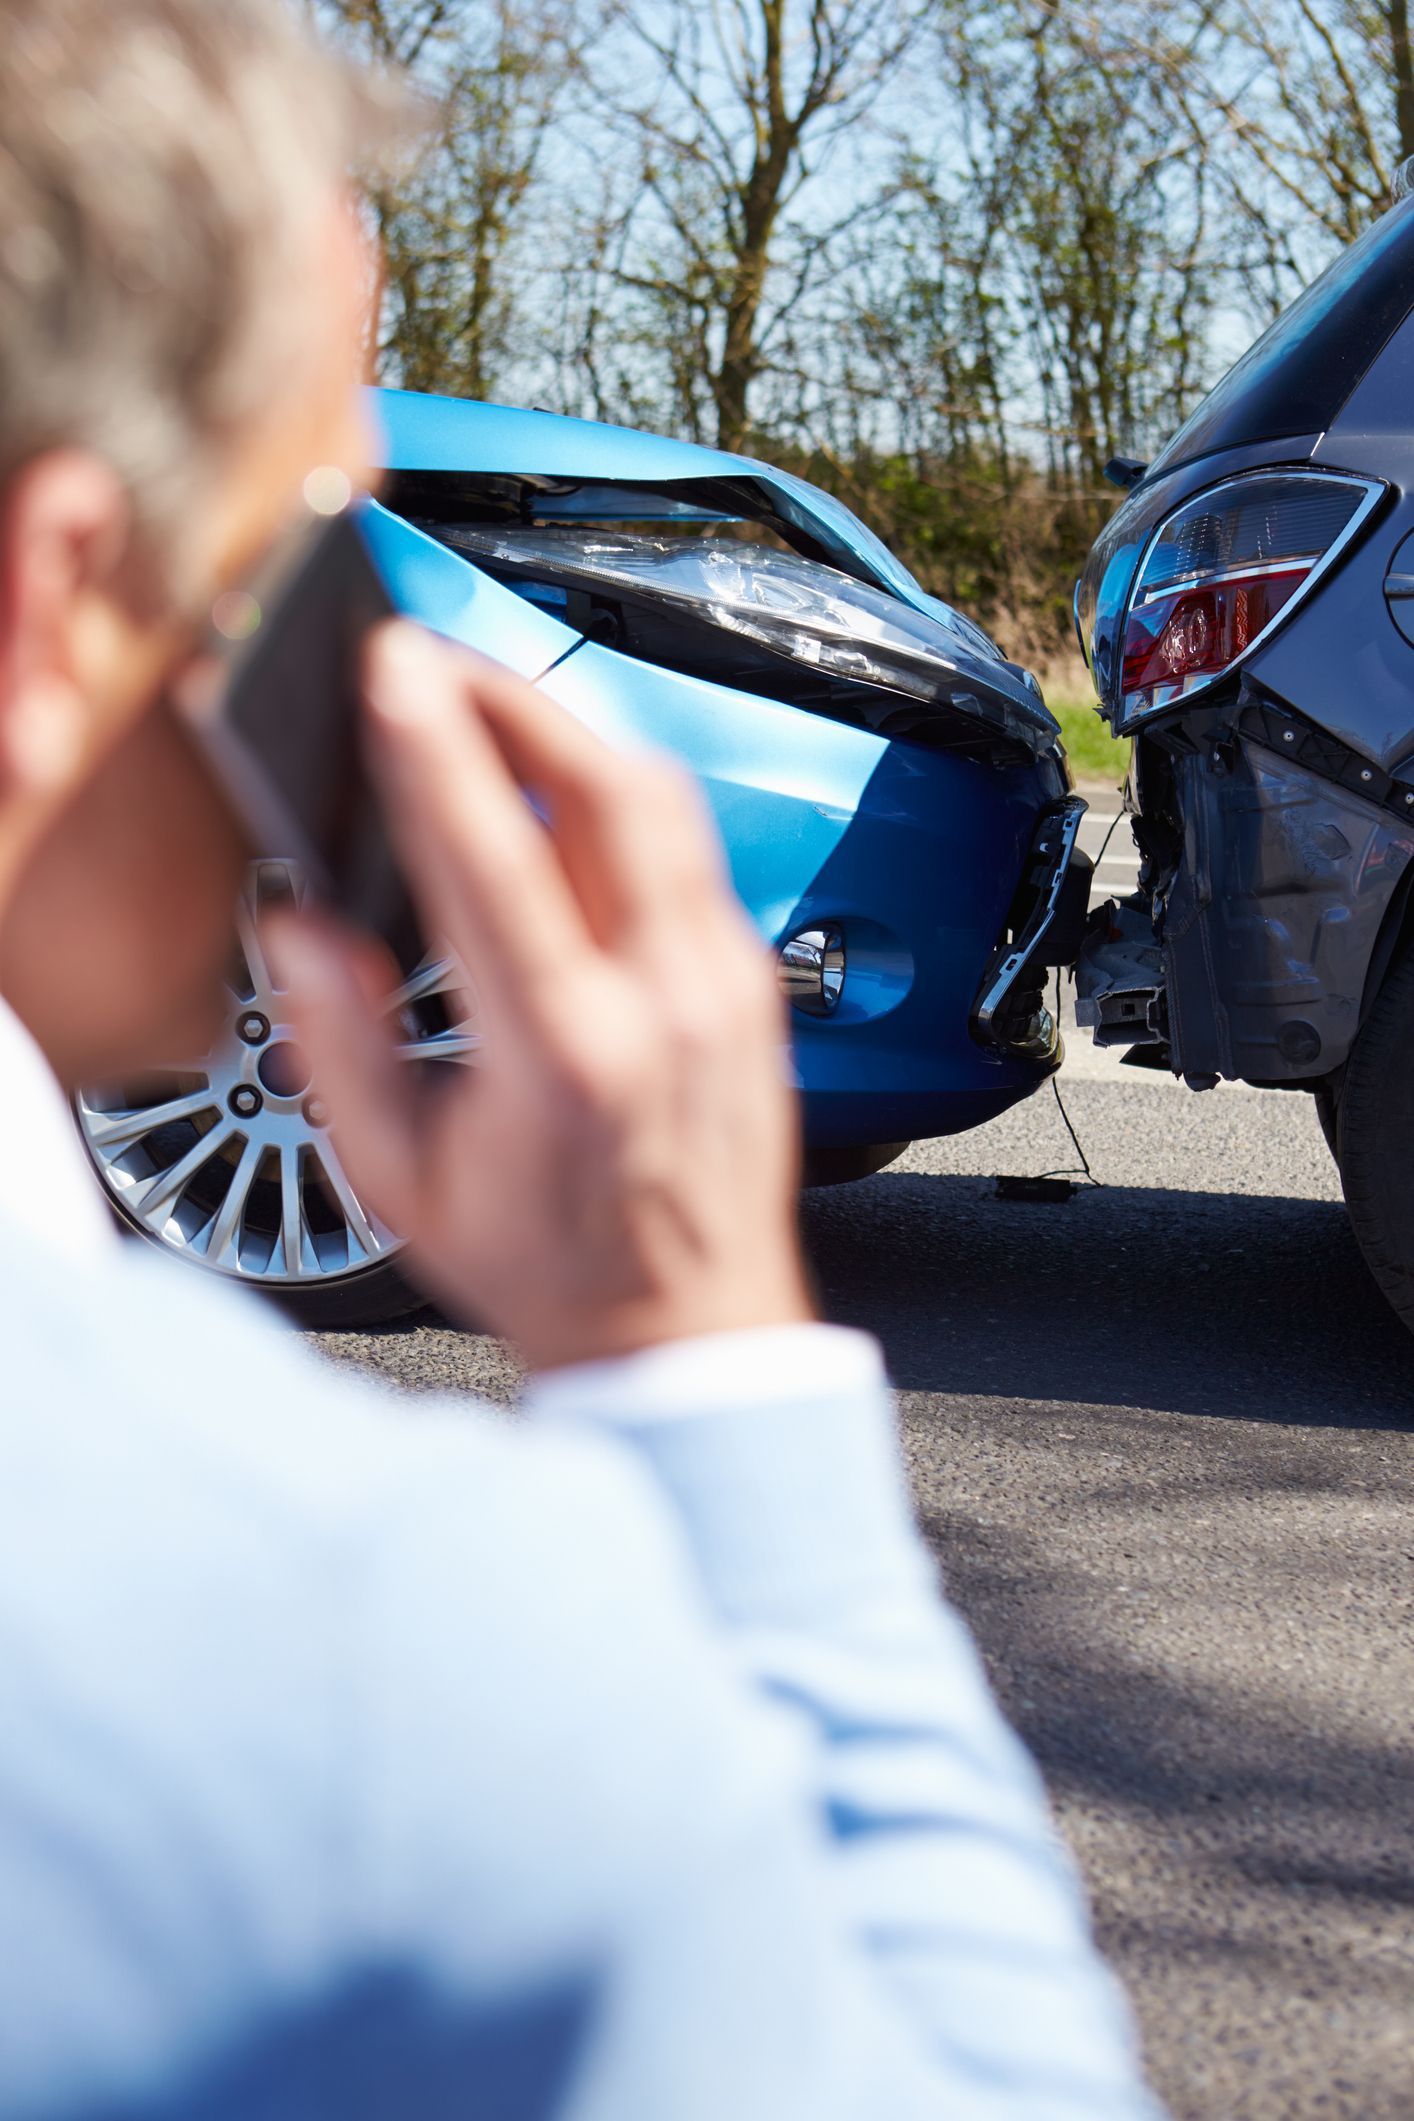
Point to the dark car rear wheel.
(1375, 1138)
(1328, 1115)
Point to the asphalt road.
(1162, 1440)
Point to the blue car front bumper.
(914, 855)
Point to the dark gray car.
(1248, 617)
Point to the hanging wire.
(1099, 858)
(1070, 1171)
(1073, 1171)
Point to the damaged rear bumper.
(1274, 916)
(1270, 932)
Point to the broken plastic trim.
(1280, 859)
(1010, 1010)
(1248, 713)
(842, 631)
(1119, 979)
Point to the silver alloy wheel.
(228, 1160)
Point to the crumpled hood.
(425, 433)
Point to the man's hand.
(620, 1168)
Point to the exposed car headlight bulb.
(790, 606)
(1222, 571)
(810, 969)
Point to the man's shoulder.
(245, 1529)
(313, 1618)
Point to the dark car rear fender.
(1278, 909)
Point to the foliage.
(1095, 756)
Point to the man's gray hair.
(163, 164)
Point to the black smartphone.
(281, 725)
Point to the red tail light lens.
(1201, 632)
(1221, 571)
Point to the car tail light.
(1222, 571)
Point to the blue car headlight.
(813, 616)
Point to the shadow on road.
(1198, 1303)
(1252, 1868)
(1265, 1782)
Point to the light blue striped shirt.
(363, 1759)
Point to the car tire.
(1375, 1138)
(833, 1166)
(376, 1297)
(1328, 1115)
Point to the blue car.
(892, 793)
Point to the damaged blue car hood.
(425, 433)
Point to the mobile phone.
(282, 726)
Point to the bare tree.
(1097, 235)
(454, 223)
(1307, 107)
(720, 224)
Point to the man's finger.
(337, 1005)
(482, 869)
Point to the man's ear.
(64, 525)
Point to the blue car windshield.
(1297, 376)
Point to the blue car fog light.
(811, 970)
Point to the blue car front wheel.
(227, 1161)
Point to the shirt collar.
(49, 1194)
